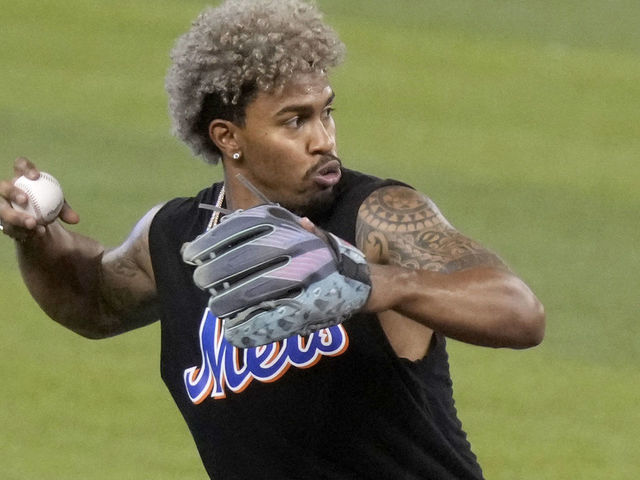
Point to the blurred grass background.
(520, 119)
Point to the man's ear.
(224, 134)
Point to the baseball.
(45, 197)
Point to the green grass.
(519, 118)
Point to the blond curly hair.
(236, 50)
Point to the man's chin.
(315, 206)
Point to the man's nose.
(322, 139)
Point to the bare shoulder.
(401, 226)
(132, 258)
(127, 284)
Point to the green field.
(520, 119)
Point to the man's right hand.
(19, 225)
(94, 291)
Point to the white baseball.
(45, 197)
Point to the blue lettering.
(222, 366)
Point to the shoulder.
(401, 226)
(399, 208)
(133, 253)
(354, 188)
(391, 215)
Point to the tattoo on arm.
(400, 226)
(127, 286)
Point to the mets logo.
(227, 367)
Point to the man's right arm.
(93, 291)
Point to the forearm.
(62, 271)
(483, 305)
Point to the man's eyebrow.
(304, 108)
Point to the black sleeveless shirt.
(339, 404)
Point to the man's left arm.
(425, 270)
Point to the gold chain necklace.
(215, 216)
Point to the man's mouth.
(328, 174)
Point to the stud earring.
(236, 156)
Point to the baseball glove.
(269, 278)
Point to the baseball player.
(304, 306)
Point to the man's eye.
(328, 111)
(294, 122)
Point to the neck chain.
(215, 216)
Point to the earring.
(236, 156)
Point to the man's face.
(288, 144)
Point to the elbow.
(532, 326)
(93, 334)
(528, 320)
(86, 324)
(520, 316)
(93, 327)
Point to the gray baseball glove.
(269, 278)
